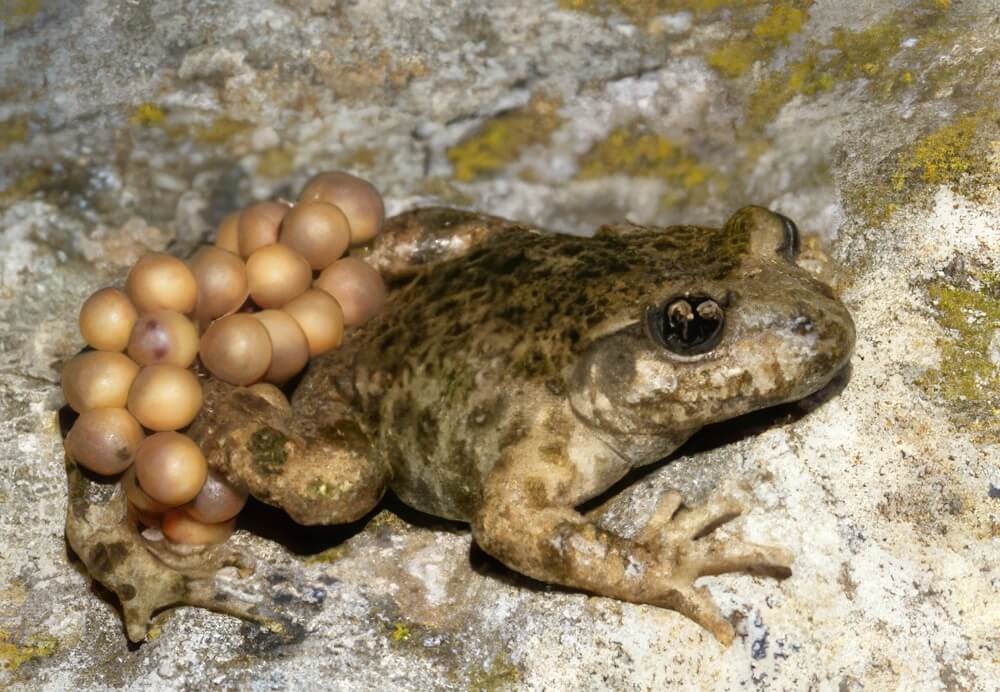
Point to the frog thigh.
(422, 238)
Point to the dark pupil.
(691, 325)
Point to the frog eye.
(688, 325)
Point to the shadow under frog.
(512, 376)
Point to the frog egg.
(161, 282)
(98, 379)
(321, 319)
(165, 397)
(150, 520)
(178, 527)
(217, 501)
(357, 199)
(236, 349)
(258, 226)
(104, 440)
(163, 336)
(317, 231)
(276, 274)
(289, 346)
(170, 468)
(137, 497)
(106, 320)
(227, 237)
(357, 286)
(222, 283)
(272, 394)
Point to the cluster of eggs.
(274, 290)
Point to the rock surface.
(126, 127)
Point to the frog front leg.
(527, 520)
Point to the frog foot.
(684, 538)
(150, 575)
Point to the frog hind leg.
(527, 520)
(422, 238)
(318, 468)
(148, 575)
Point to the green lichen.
(958, 155)
(13, 655)
(635, 150)
(735, 57)
(968, 377)
(501, 674)
(267, 449)
(400, 632)
(501, 140)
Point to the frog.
(513, 375)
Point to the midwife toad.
(513, 375)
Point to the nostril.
(803, 325)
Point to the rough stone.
(128, 127)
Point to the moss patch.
(267, 449)
(737, 56)
(636, 151)
(13, 655)
(501, 140)
(969, 377)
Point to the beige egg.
(170, 468)
(289, 346)
(236, 349)
(104, 440)
(357, 287)
(321, 319)
(179, 527)
(217, 501)
(358, 199)
(163, 337)
(276, 274)
(259, 225)
(98, 379)
(318, 231)
(161, 282)
(165, 397)
(137, 496)
(106, 320)
(228, 237)
(222, 283)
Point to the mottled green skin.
(473, 349)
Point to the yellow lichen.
(13, 131)
(400, 633)
(956, 154)
(635, 151)
(276, 163)
(17, 13)
(735, 57)
(221, 130)
(148, 115)
(328, 556)
(969, 376)
(13, 655)
(501, 140)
